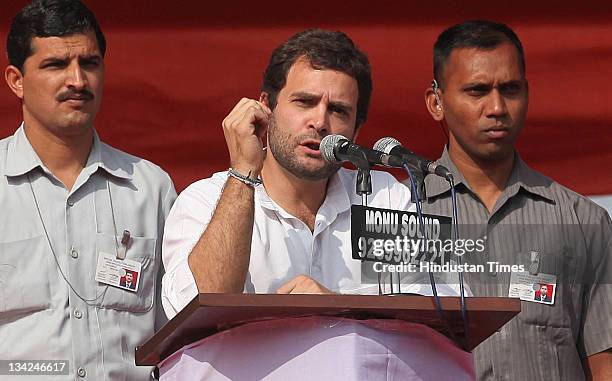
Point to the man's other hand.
(302, 285)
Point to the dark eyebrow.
(514, 82)
(336, 104)
(304, 95)
(477, 85)
(473, 85)
(49, 60)
(63, 59)
(342, 106)
(91, 58)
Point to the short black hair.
(49, 18)
(324, 50)
(481, 34)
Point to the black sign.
(395, 236)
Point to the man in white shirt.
(291, 234)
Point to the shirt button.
(81, 372)
(74, 253)
(70, 203)
(78, 314)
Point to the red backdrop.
(174, 70)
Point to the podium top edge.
(449, 303)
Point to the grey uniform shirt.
(572, 237)
(51, 307)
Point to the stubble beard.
(282, 147)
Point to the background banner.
(175, 69)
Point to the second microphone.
(337, 149)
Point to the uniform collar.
(105, 157)
(522, 177)
(22, 159)
(20, 156)
(435, 185)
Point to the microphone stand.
(363, 187)
(419, 181)
(416, 178)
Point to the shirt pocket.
(140, 250)
(553, 262)
(24, 277)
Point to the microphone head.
(327, 145)
(386, 145)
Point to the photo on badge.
(129, 280)
(122, 273)
(544, 293)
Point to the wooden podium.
(208, 314)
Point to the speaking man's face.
(313, 104)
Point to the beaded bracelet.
(245, 179)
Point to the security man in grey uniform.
(560, 238)
(74, 211)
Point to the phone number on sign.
(33, 367)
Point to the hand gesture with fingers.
(245, 128)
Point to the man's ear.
(264, 98)
(434, 104)
(14, 80)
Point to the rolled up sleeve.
(186, 222)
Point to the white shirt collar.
(336, 201)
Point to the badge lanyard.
(42, 222)
(125, 240)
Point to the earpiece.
(439, 113)
(435, 87)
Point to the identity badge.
(539, 288)
(122, 273)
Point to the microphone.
(336, 148)
(393, 147)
